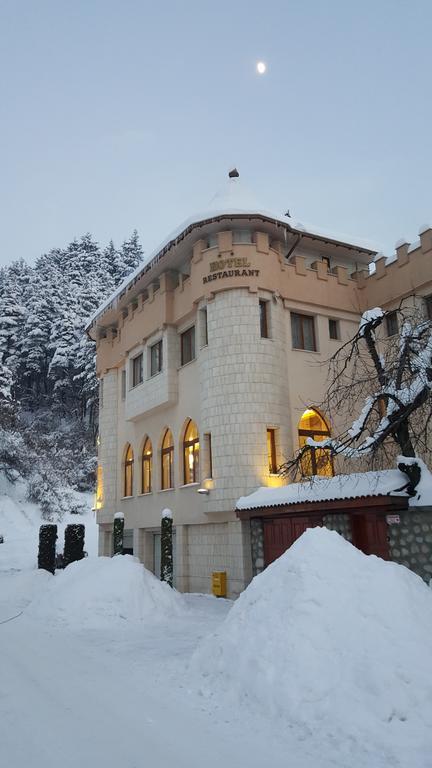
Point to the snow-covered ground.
(322, 663)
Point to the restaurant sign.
(233, 267)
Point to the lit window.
(303, 332)
(317, 461)
(167, 461)
(271, 451)
(392, 323)
(146, 467)
(333, 329)
(263, 312)
(137, 370)
(187, 340)
(156, 358)
(191, 453)
(128, 471)
(99, 488)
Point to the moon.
(261, 67)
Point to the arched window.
(318, 460)
(191, 453)
(128, 471)
(167, 461)
(146, 467)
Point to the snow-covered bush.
(47, 547)
(73, 543)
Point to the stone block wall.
(216, 547)
(257, 545)
(411, 541)
(244, 390)
(340, 523)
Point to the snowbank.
(97, 592)
(19, 525)
(330, 640)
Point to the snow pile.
(330, 640)
(96, 592)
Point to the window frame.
(167, 451)
(146, 461)
(337, 329)
(302, 317)
(137, 362)
(187, 344)
(156, 355)
(264, 318)
(392, 323)
(271, 450)
(128, 472)
(322, 433)
(193, 443)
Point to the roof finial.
(233, 174)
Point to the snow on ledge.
(353, 486)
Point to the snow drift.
(96, 592)
(332, 640)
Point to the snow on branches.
(385, 379)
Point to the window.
(187, 340)
(146, 467)
(271, 451)
(208, 455)
(123, 385)
(167, 461)
(128, 471)
(326, 260)
(191, 453)
(392, 323)
(204, 327)
(428, 301)
(137, 370)
(263, 311)
(156, 358)
(318, 460)
(333, 329)
(303, 332)
(242, 236)
(212, 241)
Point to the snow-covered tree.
(387, 381)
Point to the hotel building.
(211, 359)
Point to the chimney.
(233, 174)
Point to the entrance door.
(370, 534)
(280, 533)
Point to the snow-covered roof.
(353, 486)
(234, 199)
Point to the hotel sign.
(233, 267)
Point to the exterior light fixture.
(203, 490)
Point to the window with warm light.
(146, 467)
(167, 461)
(271, 451)
(99, 488)
(317, 461)
(128, 471)
(191, 453)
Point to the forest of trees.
(48, 387)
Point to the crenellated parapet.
(408, 271)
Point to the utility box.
(219, 583)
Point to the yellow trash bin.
(219, 583)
